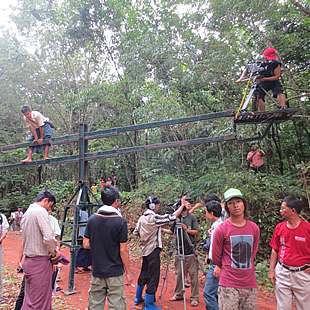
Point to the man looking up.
(39, 245)
(291, 247)
(149, 230)
(234, 247)
(106, 237)
(40, 129)
(189, 225)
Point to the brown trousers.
(191, 265)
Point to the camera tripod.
(178, 241)
(254, 95)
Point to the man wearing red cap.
(270, 79)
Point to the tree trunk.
(276, 140)
(40, 174)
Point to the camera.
(254, 67)
(260, 68)
(175, 205)
(264, 69)
(205, 244)
(20, 270)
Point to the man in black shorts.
(270, 81)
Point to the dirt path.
(79, 301)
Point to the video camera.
(259, 68)
(205, 244)
(175, 205)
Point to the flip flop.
(194, 303)
(86, 269)
(78, 271)
(174, 298)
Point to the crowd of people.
(231, 280)
(234, 240)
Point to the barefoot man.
(40, 129)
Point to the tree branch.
(301, 7)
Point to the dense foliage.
(120, 62)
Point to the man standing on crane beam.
(40, 129)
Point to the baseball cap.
(232, 193)
(270, 53)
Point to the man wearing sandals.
(291, 247)
(190, 225)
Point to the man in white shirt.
(40, 130)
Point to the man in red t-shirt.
(234, 247)
(291, 246)
(255, 157)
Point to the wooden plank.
(265, 117)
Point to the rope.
(247, 86)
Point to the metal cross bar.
(257, 138)
(113, 153)
(115, 131)
(117, 152)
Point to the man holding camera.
(149, 230)
(269, 70)
(270, 79)
(189, 225)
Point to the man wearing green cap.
(234, 248)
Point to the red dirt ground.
(79, 301)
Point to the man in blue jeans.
(213, 213)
